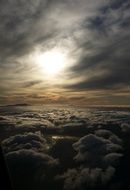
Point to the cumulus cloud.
(6, 125)
(29, 168)
(108, 135)
(97, 158)
(80, 179)
(25, 141)
(91, 145)
(87, 143)
(112, 158)
(14, 155)
(125, 127)
(28, 161)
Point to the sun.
(52, 62)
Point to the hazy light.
(52, 62)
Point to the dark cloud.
(125, 127)
(109, 67)
(17, 28)
(87, 178)
(25, 141)
(106, 63)
(19, 34)
(28, 168)
(108, 135)
(31, 83)
(28, 161)
(91, 145)
(97, 158)
(112, 158)
(75, 129)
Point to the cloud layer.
(64, 148)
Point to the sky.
(70, 52)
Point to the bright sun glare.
(52, 62)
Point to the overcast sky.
(94, 37)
